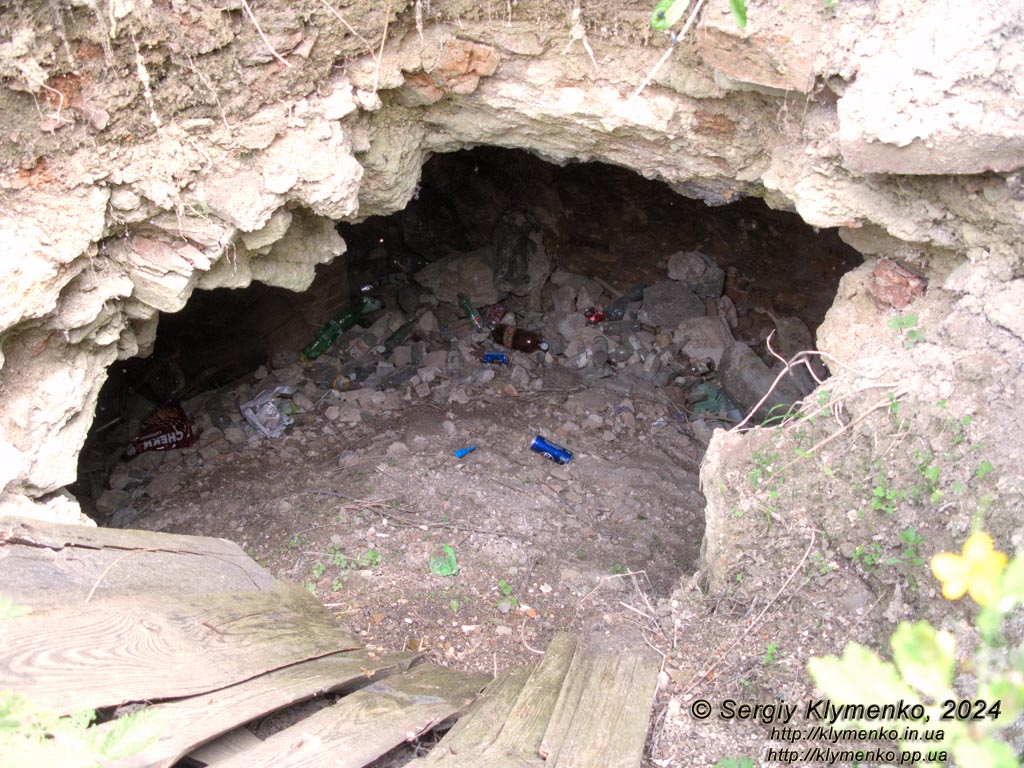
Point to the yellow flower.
(976, 571)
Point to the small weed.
(339, 584)
(318, 570)
(883, 495)
(310, 586)
(296, 541)
(368, 559)
(734, 762)
(506, 590)
(911, 555)
(983, 469)
(819, 562)
(446, 564)
(769, 654)
(581, 554)
(867, 556)
(617, 569)
(906, 325)
(764, 465)
(337, 556)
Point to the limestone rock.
(110, 501)
(521, 263)
(43, 234)
(746, 379)
(703, 337)
(925, 103)
(667, 303)
(469, 273)
(273, 231)
(700, 274)
(773, 54)
(893, 285)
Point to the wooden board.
(368, 723)
(528, 718)
(225, 746)
(147, 648)
(600, 720)
(190, 722)
(47, 565)
(479, 728)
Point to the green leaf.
(10, 610)
(924, 657)
(859, 677)
(1011, 585)
(1008, 694)
(902, 322)
(444, 565)
(739, 12)
(987, 752)
(983, 469)
(989, 623)
(667, 13)
(130, 735)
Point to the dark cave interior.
(597, 220)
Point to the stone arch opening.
(417, 390)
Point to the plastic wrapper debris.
(265, 415)
(164, 429)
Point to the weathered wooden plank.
(143, 648)
(224, 746)
(528, 718)
(46, 565)
(194, 721)
(480, 726)
(368, 723)
(601, 718)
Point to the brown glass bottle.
(518, 338)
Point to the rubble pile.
(659, 357)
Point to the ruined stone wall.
(149, 149)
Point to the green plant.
(884, 496)
(966, 729)
(906, 326)
(455, 605)
(32, 736)
(912, 540)
(769, 654)
(618, 569)
(506, 590)
(445, 564)
(868, 556)
(10, 610)
(296, 541)
(369, 559)
(339, 584)
(983, 469)
(318, 570)
(734, 762)
(764, 465)
(337, 556)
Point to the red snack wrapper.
(165, 428)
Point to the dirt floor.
(358, 499)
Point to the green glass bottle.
(471, 313)
(343, 320)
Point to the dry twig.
(757, 620)
(263, 37)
